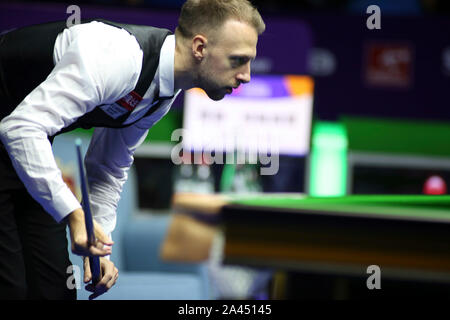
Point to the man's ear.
(199, 43)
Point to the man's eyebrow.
(243, 56)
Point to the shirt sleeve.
(101, 64)
(107, 161)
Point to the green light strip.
(328, 161)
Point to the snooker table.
(407, 236)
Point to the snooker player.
(120, 79)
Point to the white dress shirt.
(95, 64)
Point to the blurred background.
(365, 111)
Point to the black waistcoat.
(26, 59)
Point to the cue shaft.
(94, 262)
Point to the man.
(120, 79)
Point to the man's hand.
(79, 238)
(108, 278)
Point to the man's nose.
(244, 75)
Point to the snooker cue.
(94, 262)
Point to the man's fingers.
(79, 237)
(102, 284)
(101, 236)
(87, 271)
(92, 251)
(109, 278)
(98, 249)
(113, 279)
(101, 252)
(108, 274)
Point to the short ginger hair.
(202, 16)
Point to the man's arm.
(107, 162)
(91, 71)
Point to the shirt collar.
(166, 67)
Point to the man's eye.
(236, 61)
